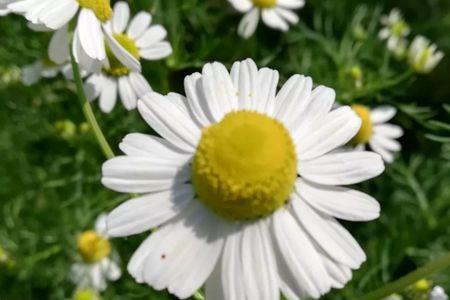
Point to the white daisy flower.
(41, 68)
(243, 187)
(98, 264)
(438, 293)
(140, 39)
(277, 14)
(88, 40)
(395, 30)
(423, 56)
(375, 132)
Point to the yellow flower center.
(92, 246)
(419, 64)
(245, 166)
(86, 294)
(101, 8)
(265, 3)
(365, 132)
(399, 28)
(116, 68)
(422, 285)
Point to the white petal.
(60, 13)
(244, 75)
(108, 96)
(90, 34)
(339, 274)
(127, 94)
(138, 144)
(287, 14)
(169, 121)
(342, 168)
(382, 114)
(299, 264)
(388, 130)
(248, 24)
(258, 263)
(213, 286)
(241, 5)
(334, 130)
(111, 269)
(218, 89)
(293, 99)
(196, 99)
(292, 4)
(97, 277)
(58, 49)
(156, 51)
(183, 254)
(339, 202)
(121, 53)
(332, 238)
(386, 143)
(267, 88)
(93, 86)
(385, 154)
(139, 24)
(130, 174)
(272, 19)
(152, 35)
(120, 17)
(139, 83)
(101, 225)
(85, 61)
(144, 213)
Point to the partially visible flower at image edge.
(276, 14)
(88, 39)
(144, 41)
(376, 133)
(98, 263)
(244, 186)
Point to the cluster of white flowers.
(246, 183)
(421, 54)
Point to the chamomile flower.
(88, 40)
(277, 14)
(375, 132)
(244, 187)
(395, 30)
(140, 39)
(423, 56)
(98, 264)
(438, 293)
(41, 68)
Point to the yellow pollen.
(116, 68)
(365, 132)
(92, 246)
(101, 8)
(265, 3)
(245, 166)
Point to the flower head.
(98, 264)
(395, 30)
(423, 56)
(277, 14)
(144, 41)
(244, 186)
(88, 40)
(375, 132)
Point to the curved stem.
(88, 113)
(405, 281)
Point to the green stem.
(88, 113)
(400, 284)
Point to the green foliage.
(49, 180)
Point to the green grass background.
(49, 185)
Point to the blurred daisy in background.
(395, 31)
(88, 40)
(41, 68)
(143, 41)
(376, 132)
(244, 186)
(438, 293)
(277, 14)
(99, 264)
(423, 56)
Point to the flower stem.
(405, 281)
(88, 113)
